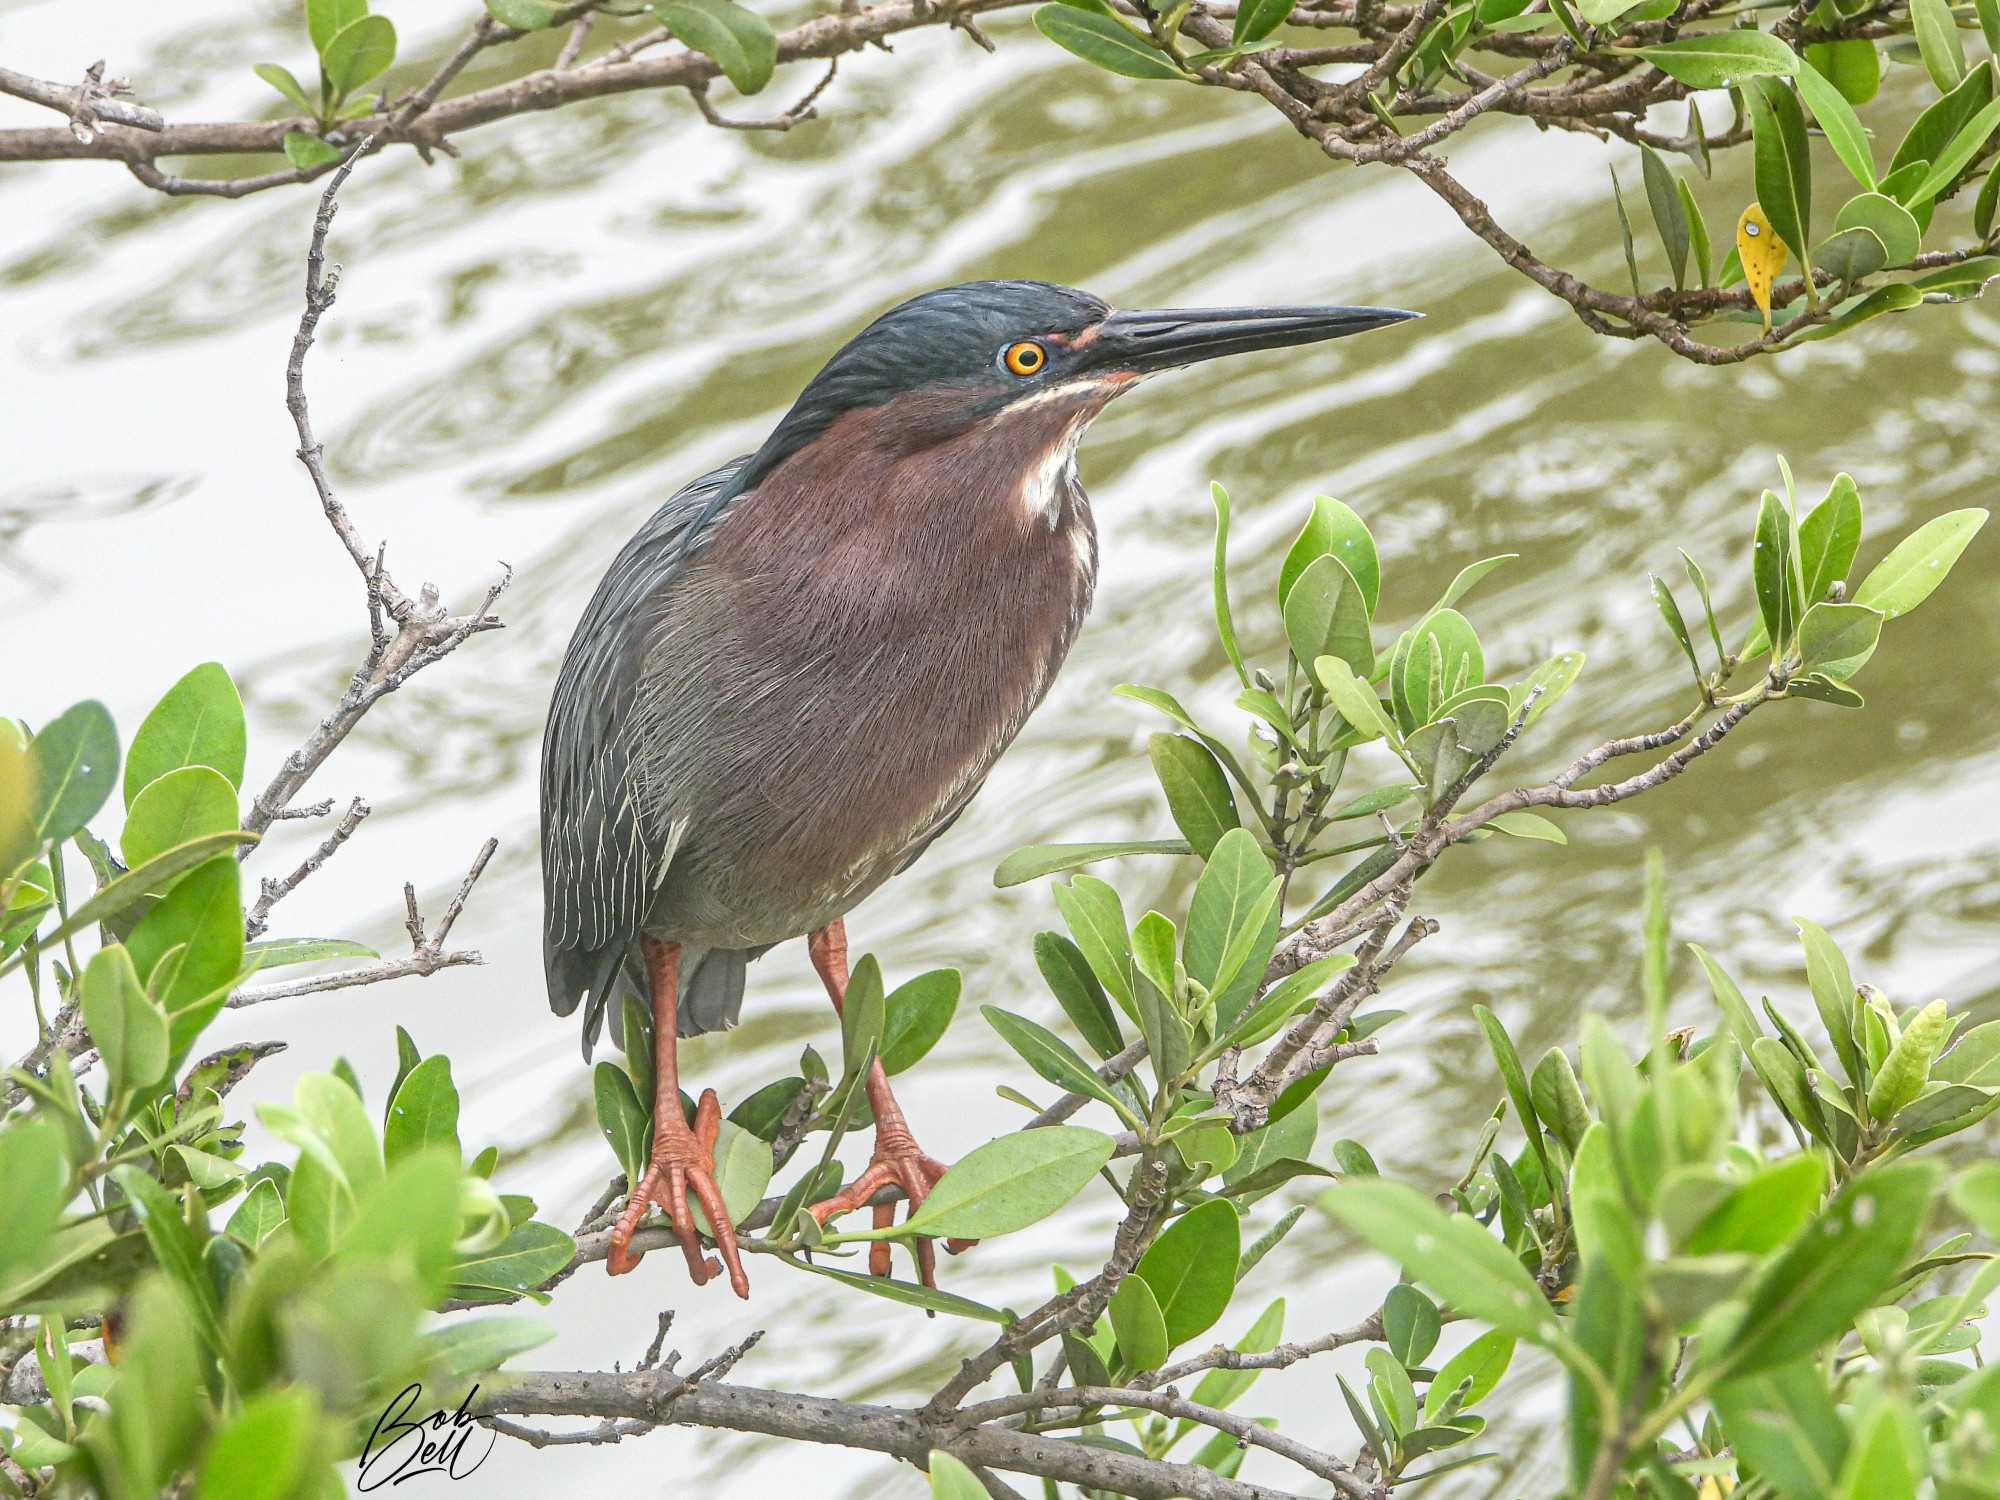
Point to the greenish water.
(536, 343)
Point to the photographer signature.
(399, 1448)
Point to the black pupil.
(1028, 357)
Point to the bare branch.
(803, 110)
(657, 1395)
(258, 918)
(427, 952)
(88, 104)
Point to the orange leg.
(897, 1160)
(683, 1157)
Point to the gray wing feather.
(601, 851)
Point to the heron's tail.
(712, 995)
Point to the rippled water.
(537, 342)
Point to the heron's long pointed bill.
(1144, 342)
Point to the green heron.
(800, 670)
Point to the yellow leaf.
(1763, 256)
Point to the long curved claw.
(683, 1162)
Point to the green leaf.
(1558, 1099)
(1333, 530)
(1191, 1268)
(1438, 659)
(1410, 1324)
(1828, 537)
(910, 1294)
(1009, 1183)
(1841, 125)
(306, 151)
(1468, 577)
(282, 80)
(126, 1023)
(1669, 214)
(1326, 614)
(1835, 1269)
(1097, 921)
(1959, 154)
(743, 1168)
(1139, 1325)
(952, 1480)
(1198, 794)
(181, 805)
(1783, 1424)
(1896, 297)
(1104, 42)
(1907, 1067)
(739, 41)
(1722, 59)
(1076, 989)
(1257, 19)
(1355, 701)
(357, 54)
(423, 1113)
(34, 1186)
(74, 761)
(1776, 571)
(1836, 640)
(1852, 66)
(1229, 916)
(1698, 241)
(1852, 254)
(625, 1121)
(203, 916)
(1450, 1254)
(325, 17)
(1783, 160)
(1962, 281)
(263, 1451)
(1370, 803)
(1037, 860)
(1937, 40)
(1766, 1211)
(862, 1016)
(1527, 825)
(1285, 999)
(258, 1216)
(1887, 1459)
(529, 1256)
(1937, 126)
(278, 953)
(1051, 1057)
(1515, 1077)
(1974, 1059)
(200, 720)
(1625, 233)
(1552, 678)
(1919, 563)
(1476, 1368)
(472, 1346)
(524, 15)
(915, 1016)
(1670, 611)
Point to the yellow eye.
(1026, 358)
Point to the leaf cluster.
(252, 1352)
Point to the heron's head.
(967, 355)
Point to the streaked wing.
(600, 856)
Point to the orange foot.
(898, 1162)
(683, 1162)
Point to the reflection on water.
(536, 343)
